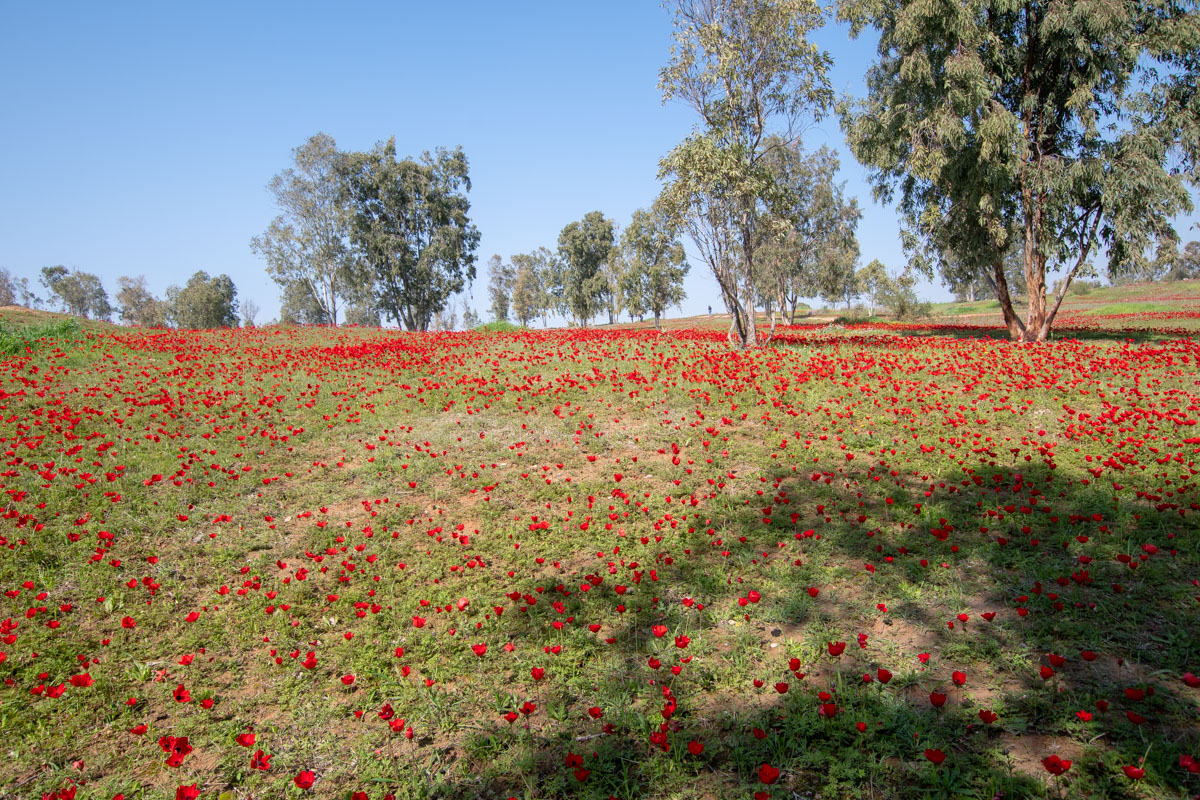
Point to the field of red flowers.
(859, 563)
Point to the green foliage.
(873, 284)
(534, 285)
(470, 320)
(499, 326)
(307, 247)
(14, 290)
(653, 264)
(584, 248)
(902, 298)
(1175, 265)
(897, 294)
(1068, 126)
(15, 340)
(79, 293)
(743, 66)
(410, 226)
(812, 250)
(363, 313)
(501, 278)
(203, 303)
(137, 305)
(299, 306)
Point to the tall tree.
(875, 284)
(808, 250)
(299, 306)
(137, 305)
(308, 243)
(835, 279)
(654, 263)
(79, 292)
(203, 303)
(410, 225)
(532, 286)
(470, 320)
(16, 290)
(584, 247)
(363, 313)
(8, 288)
(747, 68)
(501, 277)
(1186, 264)
(1068, 125)
(249, 312)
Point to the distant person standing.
(710, 311)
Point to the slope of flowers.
(587, 564)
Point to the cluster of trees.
(1019, 139)
(1171, 264)
(594, 271)
(365, 235)
(204, 302)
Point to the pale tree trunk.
(750, 331)
(1086, 237)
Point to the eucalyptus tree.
(810, 248)
(1069, 126)
(307, 247)
(79, 292)
(137, 305)
(501, 278)
(204, 302)
(410, 226)
(584, 247)
(654, 263)
(747, 69)
(534, 285)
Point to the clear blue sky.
(139, 138)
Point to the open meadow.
(904, 561)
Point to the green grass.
(17, 339)
(351, 453)
(500, 326)
(1131, 308)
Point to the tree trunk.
(750, 329)
(1012, 321)
(1035, 281)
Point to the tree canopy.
(79, 293)
(653, 263)
(204, 302)
(584, 248)
(410, 227)
(1071, 126)
(811, 249)
(137, 305)
(501, 278)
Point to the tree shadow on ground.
(1140, 635)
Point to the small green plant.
(15, 340)
(500, 326)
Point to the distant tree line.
(594, 272)
(204, 302)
